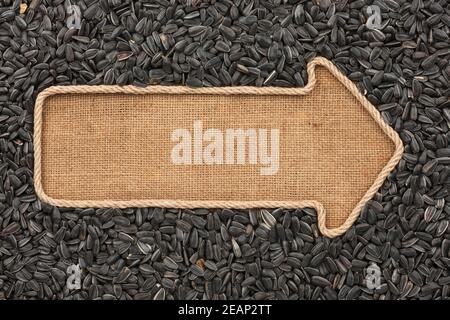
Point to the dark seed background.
(153, 253)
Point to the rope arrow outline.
(238, 90)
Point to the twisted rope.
(240, 90)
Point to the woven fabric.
(117, 147)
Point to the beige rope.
(242, 90)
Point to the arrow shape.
(322, 146)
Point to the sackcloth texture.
(113, 149)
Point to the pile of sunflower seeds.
(398, 249)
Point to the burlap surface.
(114, 149)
